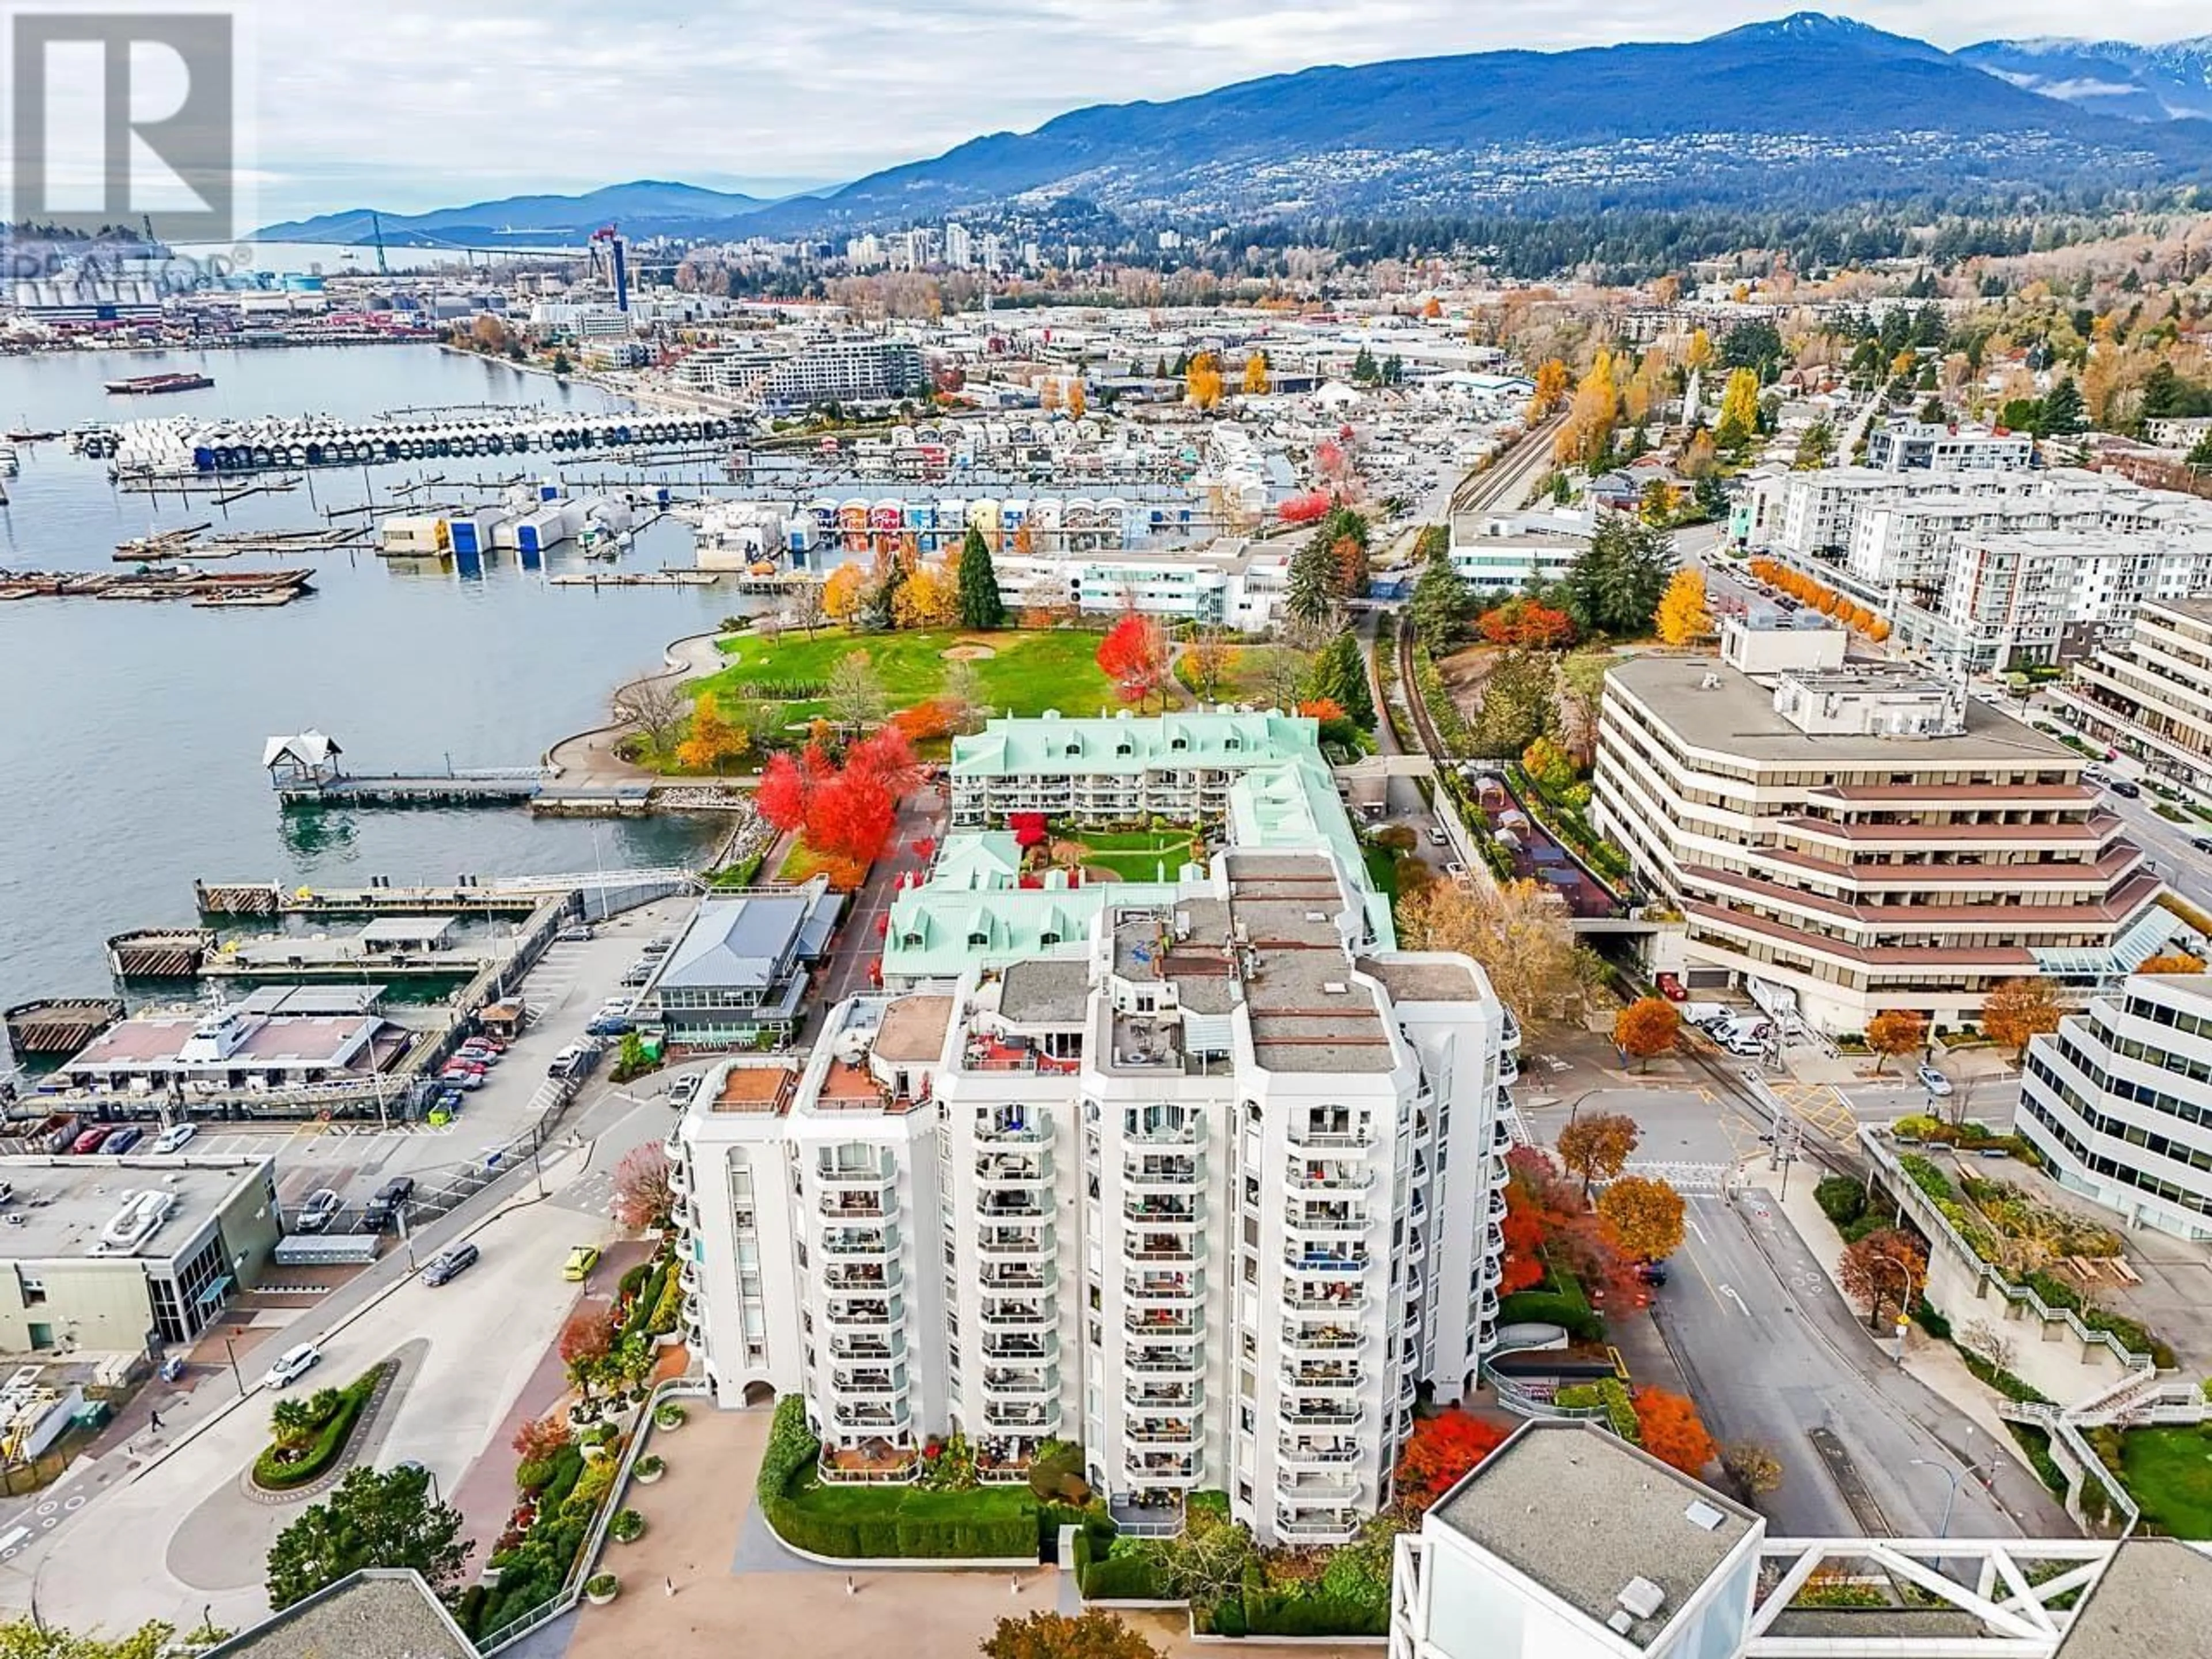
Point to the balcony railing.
(1172, 1288)
(1160, 1322)
(1021, 1350)
(1027, 1129)
(1341, 1374)
(1330, 1135)
(1166, 1174)
(1320, 1412)
(1326, 1224)
(869, 1419)
(864, 1310)
(1016, 1205)
(1323, 1338)
(1306, 1175)
(1299, 1454)
(1001, 1315)
(1020, 1384)
(1509, 1036)
(1155, 1362)
(1324, 1261)
(1160, 1212)
(1340, 1527)
(845, 1276)
(865, 1241)
(1022, 1417)
(1161, 1432)
(887, 1347)
(853, 1204)
(1014, 1276)
(1027, 1244)
(856, 1468)
(998, 1170)
(1160, 1469)
(845, 1175)
(871, 1384)
(1158, 1248)
(1325, 1297)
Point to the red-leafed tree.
(644, 1194)
(541, 1436)
(1029, 828)
(782, 798)
(1304, 509)
(1669, 1427)
(586, 1341)
(1524, 1243)
(1135, 656)
(851, 817)
(886, 758)
(1556, 1224)
(1524, 622)
(1443, 1448)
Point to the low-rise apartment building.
(1934, 447)
(2118, 1101)
(844, 371)
(2151, 694)
(1857, 837)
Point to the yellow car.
(581, 1261)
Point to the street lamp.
(232, 1354)
(1943, 1529)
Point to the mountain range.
(1806, 111)
(646, 206)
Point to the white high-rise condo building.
(1201, 1172)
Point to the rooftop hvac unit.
(1711, 682)
(1642, 1598)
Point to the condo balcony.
(679, 1180)
(1175, 1212)
(1013, 1125)
(1337, 1488)
(1003, 1313)
(1149, 1367)
(845, 1173)
(1324, 1295)
(1325, 1221)
(1509, 1035)
(1180, 1432)
(1029, 1349)
(1015, 1244)
(1329, 1131)
(1016, 1205)
(1303, 1452)
(684, 1214)
(1014, 1276)
(1303, 1412)
(871, 1463)
(1160, 1322)
(885, 1384)
(841, 1275)
(863, 1311)
(1327, 1174)
(1312, 1259)
(1323, 1338)
(1014, 1384)
(687, 1277)
(884, 1345)
(1142, 1394)
(1496, 1209)
(861, 1243)
(1509, 1071)
(1501, 1136)
(1161, 1173)
(1338, 1526)
(1334, 1375)
(1000, 1170)
(1157, 1468)
(1160, 1126)
(1160, 1248)
(1004, 1416)
(864, 1417)
(876, 1203)
(1171, 1290)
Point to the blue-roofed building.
(739, 969)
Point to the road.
(1769, 1351)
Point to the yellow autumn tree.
(841, 594)
(1683, 615)
(1552, 383)
(1698, 354)
(1078, 400)
(1591, 419)
(1739, 408)
(713, 740)
(1201, 380)
(1257, 383)
(925, 599)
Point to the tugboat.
(144, 386)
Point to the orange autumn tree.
(1668, 1426)
(1443, 1448)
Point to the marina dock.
(183, 447)
(307, 770)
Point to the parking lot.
(564, 993)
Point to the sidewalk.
(1933, 1363)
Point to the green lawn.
(1137, 855)
(2169, 1471)
(816, 1498)
(1245, 678)
(1026, 674)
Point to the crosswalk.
(1682, 1177)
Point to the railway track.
(1514, 469)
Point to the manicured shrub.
(1841, 1198)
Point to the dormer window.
(1178, 743)
(979, 938)
(1048, 938)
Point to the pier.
(599, 891)
(308, 769)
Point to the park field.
(1025, 673)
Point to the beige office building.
(2152, 694)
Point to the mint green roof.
(973, 907)
(1009, 747)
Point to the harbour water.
(131, 734)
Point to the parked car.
(293, 1364)
(1437, 836)
(576, 933)
(638, 975)
(2202, 843)
(569, 1062)
(1934, 1081)
(481, 1056)
(1651, 1273)
(461, 1078)
(660, 944)
(385, 1205)
(609, 1026)
(1671, 988)
(317, 1213)
(88, 1141)
(2126, 789)
(681, 1092)
(581, 1261)
(122, 1140)
(450, 1263)
(174, 1138)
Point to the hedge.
(1314, 1613)
(1841, 1198)
(330, 1440)
(1130, 1572)
(1550, 1308)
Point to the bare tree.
(806, 608)
(1988, 1344)
(656, 709)
(856, 698)
(1284, 677)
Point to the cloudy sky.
(414, 104)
